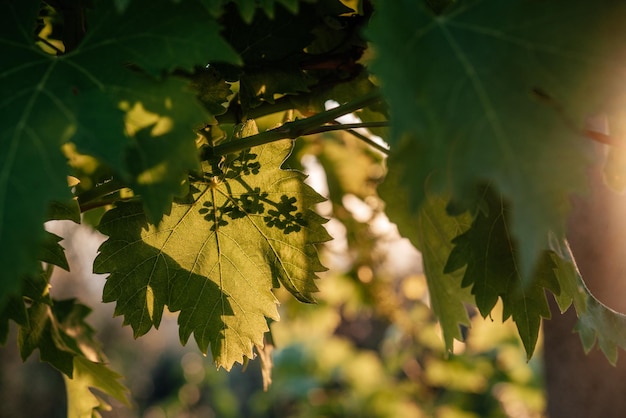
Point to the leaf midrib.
(15, 141)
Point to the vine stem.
(369, 141)
(291, 130)
(300, 127)
(346, 127)
(90, 199)
(350, 128)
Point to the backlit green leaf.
(82, 402)
(596, 321)
(245, 228)
(431, 230)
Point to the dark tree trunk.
(580, 385)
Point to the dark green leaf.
(248, 8)
(261, 85)
(56, 327)
(45, 333)
(92, 96)
(213, 90)
(491, 256)
(159, 115)
(62, 211)
(52, 252)
(499, 91)
(157, 37)
(14, 310)
(32, 169)
(273, 49)
(32, 289)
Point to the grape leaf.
(90, 95)
(248, 8)
(89, 364)
(58, 329)
(158, 114)
(499, 91)
(341, 92)
(431, 231)
(82, 402)
(245, 228)
(52, 252)
(56, 343)
(32, 288)
(273, 48)
(596, 321)
(262, 85)
(32, 170)
(13, 310)
(490, 254)
(158, 39)
(64, 211)
(270, 40)
(213, 90)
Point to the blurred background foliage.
(370, 347)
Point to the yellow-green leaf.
(82, 401)
(245, 228)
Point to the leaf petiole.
(93, 198)
(300, 127)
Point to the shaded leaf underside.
(499, 91)
(431, 230)
(57, 328)
(492, 271)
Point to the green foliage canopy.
(152, 108)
